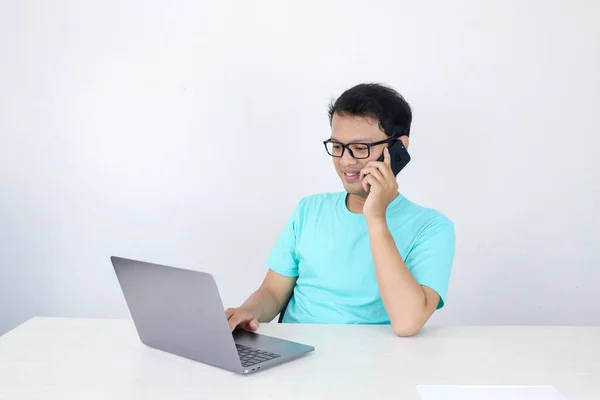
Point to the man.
(367, 255)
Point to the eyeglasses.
(356, 150)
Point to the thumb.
(253, 325)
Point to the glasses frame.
(347, 146)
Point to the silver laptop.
(180, 311)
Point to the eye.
(337, 146)
(360, 148)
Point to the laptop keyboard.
(250, 356)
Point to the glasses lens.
(359, 150)
(334, 149)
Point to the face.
(352, 129)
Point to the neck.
(355, 202)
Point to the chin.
(356, 189)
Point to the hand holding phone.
(379, 181)
(399, 156)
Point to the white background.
(185, 132)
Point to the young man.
(367, 255)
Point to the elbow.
(406, 328)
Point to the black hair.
(377, 101)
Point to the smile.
(351, 176)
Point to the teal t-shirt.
(327, 247)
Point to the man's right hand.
(241, 318)
(269, 299)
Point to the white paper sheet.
(460, 392)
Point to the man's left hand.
(379, 181)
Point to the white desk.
(57, 358)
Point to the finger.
(365, 171)
(387, 172)
(240, 319)
(229, 312)
(387, 159)
(384, 168)
(374, 171)
(373, 183)
(364, 184)
(251, 325)
(233, 322)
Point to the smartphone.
(399, 156)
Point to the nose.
(347, 159)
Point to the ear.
(404, 140)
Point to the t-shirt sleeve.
(430, 260)
(282, 258)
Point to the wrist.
(376, 223)
(252, 307)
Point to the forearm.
(402, 296)
(264, 304)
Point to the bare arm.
(264, 304)
(408, 304)
(270, 297)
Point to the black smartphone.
(399, 156)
